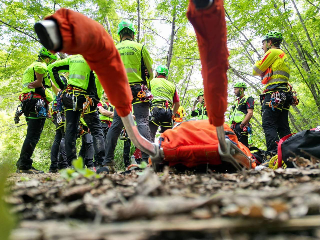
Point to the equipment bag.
(302, 144)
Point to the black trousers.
(275, 122)
(160, 117)
(94, 124)
(87, 150)
(58, 147)
(126, 152)
(34, 130)
(141, 112)
(242, 136)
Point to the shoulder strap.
(280, 150)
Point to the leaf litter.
(277, 199)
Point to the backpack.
(303, 144)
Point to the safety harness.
(41, 106)
(74, 93)
(164, 105)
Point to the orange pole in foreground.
(210, 27)
(82, 35)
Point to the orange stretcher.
(191, 143)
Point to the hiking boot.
(32, 170)
(102, 169)
(110, 166)
(53, 170)
(203, 4)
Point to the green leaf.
(143, 165)
(78, 163)
(88, 173)
(24, 179)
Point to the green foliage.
(7, 221)
(78, 169)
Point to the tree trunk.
(305, 29)
(173, 27)
(246, 80)
(256, 120)
(138, 8)
(293, 122)
(306, 67)
(254, 49)
(108, 25)
(305, 122)
(313, 5)
(186, 88)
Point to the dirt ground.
(264, 204)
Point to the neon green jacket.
(108, 108)
(29, 76)
(201, 113)
(132, 54)
(277, 60)
(162, 90)
(80, 74)
(238, 116)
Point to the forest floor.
(264, 204)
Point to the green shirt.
(80, 75)
(162, 90)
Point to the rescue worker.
(126, 147)
(138, 65)
(201, 111)
(59, 119)
(179, 116)
(274, 70)
(35, 98)
(106, 114)
(58, 146)
(80, 98)
(165, 98)
(87, 149)
(242, 112)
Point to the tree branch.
(17, 29)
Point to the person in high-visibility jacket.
(274, 70)
(59, 120)
(165, 102)
(138, 66)
(180, 115)
(81, 97)
(35, 98)
(242, 112)
(86, 149)
(105, 113)
(201, 112)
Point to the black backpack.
(303, 144)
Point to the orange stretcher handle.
(82, 35)
(211, 31)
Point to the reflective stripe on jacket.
(131, 54)
(238, 116)
(273, 68)
(79, 71)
